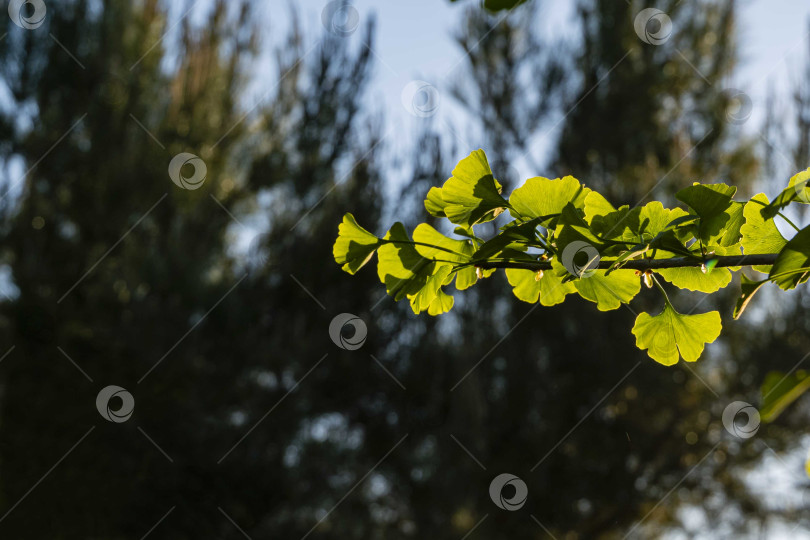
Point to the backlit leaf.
(799, 184)
(730, 233)
(513, 237)
(472, 195)
(434, 203)
(354, 245)
(694, 279)
(596, 205)
(422, 300)
(713, 204)
(432, 244)
(400, 267)
(670, 335)
(609, 291)
(791, 266)
(760, 235)
(707, 200)
(797, 191)
(541, 197)
(441, 304)
(550, 288)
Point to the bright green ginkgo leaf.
(354, 245)
(596, 205)
(653, 228)
(780, 390)
(654, 218)
(434, 203)
(637, 225)
(525, 284)
(512, 238)
(609, 291)
(454, 251)
(472, 195)
(432, 244)
(400, 267)
(760, 235)
(607, 221)
(797, 191)
(799, 184)
(467, 276)
(730, 233)
(422, 300)
(713, 204)
(572, 227)
(441, 304)
(707, 200)
(670, 335)
(549, 288)
(541, 197)
(793, 263)
(695, 279)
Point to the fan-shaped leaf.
(471, 195)
(434, 203)
(422, 300)
(441, 304)
(707, 200)
(432, 244)
(354, 245)
(400, 267)
(717, 212)
(542, 198)
(695, 279)
(670, 335)
(549, 287)
(609, 291)
(790, 267)
(760, 235)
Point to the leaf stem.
(780, 214)
(783, 216)
(423, 244)
(661, 288)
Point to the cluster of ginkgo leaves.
(564, 238)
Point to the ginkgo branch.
(645, 264)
